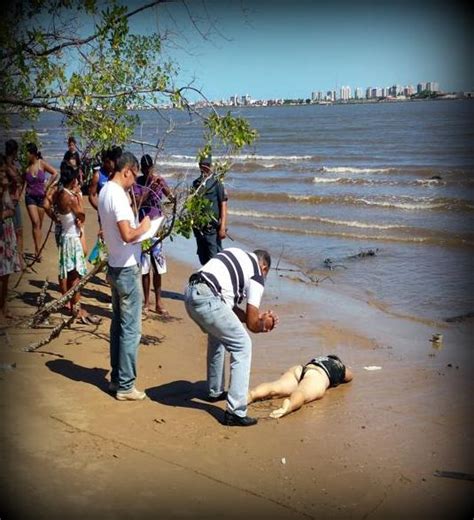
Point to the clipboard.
(155, 226)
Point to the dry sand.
(368, 449)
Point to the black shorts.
(34, 200)
(332, 366)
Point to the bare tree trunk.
(55, 305)
(54, 334)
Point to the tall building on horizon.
(420, 87)
(345, 93)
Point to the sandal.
(94, 320)
(163, 313)
(90, 320)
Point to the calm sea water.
(330, 182)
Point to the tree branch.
(77, 43)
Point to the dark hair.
(11, 146)
(72, 155)
(127, 159)
(68, 173)
(71, 139)
(112, 154)
(33, 150)
(146, 162)
(263, 256)
(2, 159)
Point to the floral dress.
(9, 257)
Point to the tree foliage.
(80, 58)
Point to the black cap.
(206, 161)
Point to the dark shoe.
(216, 398)
(231, 419)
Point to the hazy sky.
(289, 48)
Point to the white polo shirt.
(114, 206)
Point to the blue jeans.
(225, 332)
(125, 328)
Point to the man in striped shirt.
(212, 300)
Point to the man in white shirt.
(211, 299)
(121, 233)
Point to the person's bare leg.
(3, 296)
(19, 244)
(72, 280)
(146, 292)
(41, 218)
(283, 386)
(36, 226)
(312, 387)
(159, 309)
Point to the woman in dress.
(70, 213)
(16, 184)
(9, 258)
(36, 187)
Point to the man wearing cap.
(209, 239)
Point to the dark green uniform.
(207, 239)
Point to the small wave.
(448, 241)
(251, 157)
(403, 203)
(177, 164)
(323, 220)
(430, 182)
(280, 158)
(324, 180)
(416, 205)
(354, 169)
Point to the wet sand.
(368, 449)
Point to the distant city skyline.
(283, 49)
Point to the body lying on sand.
(302, 384)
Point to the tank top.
(68, 222)
(35, 184)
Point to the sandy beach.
(368, 449)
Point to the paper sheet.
(156, 223)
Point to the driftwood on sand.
(42, 313)
(53, 334)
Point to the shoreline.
(368, 449)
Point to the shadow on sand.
(185, 395)
(93, 376)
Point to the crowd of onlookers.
(128, 196)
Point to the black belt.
(199, 278)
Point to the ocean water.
(324, 185)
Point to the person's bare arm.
(256, 321)
(93, 195)
(349, 375)
(77, 209)
(130, 234)
(223, 220)
(49, 202)
(54, 174)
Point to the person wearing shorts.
(302, 384)
(36, 187)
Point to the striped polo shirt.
(235, 275)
